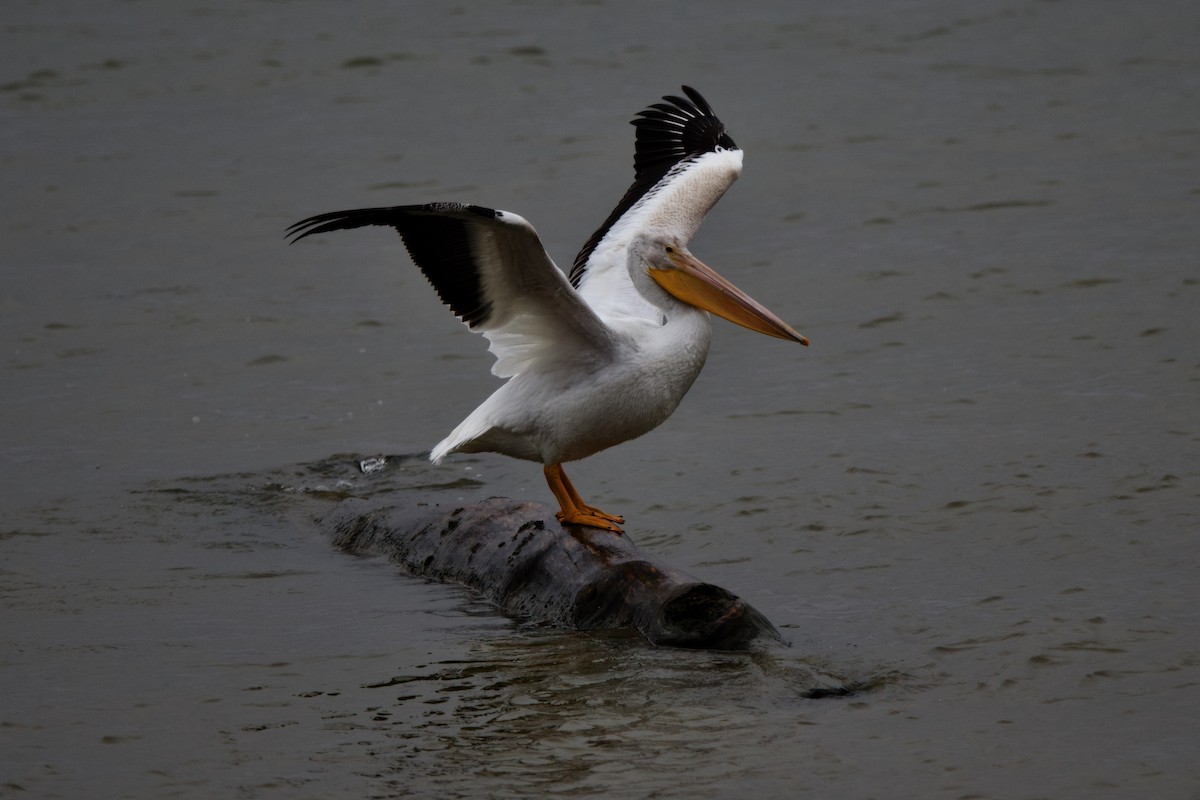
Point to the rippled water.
(975, 495)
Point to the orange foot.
(573, 510)
(595, 512)
(580, 517)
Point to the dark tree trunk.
(520, 558)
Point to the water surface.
(976, 492)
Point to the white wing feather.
(536, 315)
(674, 207)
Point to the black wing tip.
(338, 220)
(693, 106)
(438, 239)
(676, 129)
(320, 223)
(697, 98)
(671, 132)
(392, 217)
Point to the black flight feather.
(437, 237)
(667, 134)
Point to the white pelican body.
(607, 355)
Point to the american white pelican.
(605, 355)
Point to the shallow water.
(976, 492)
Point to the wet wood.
(521, 559)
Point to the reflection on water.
(583, 713)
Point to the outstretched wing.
(490, 268)
(683, 162)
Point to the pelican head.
(670, 264)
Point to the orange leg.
(574, 510)
(579, 500)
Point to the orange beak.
(699, 285)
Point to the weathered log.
(521, 559)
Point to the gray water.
(976, 492)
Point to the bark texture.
(520, 558)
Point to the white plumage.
(606, 355)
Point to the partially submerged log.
(521, 559)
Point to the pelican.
(604, 354)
